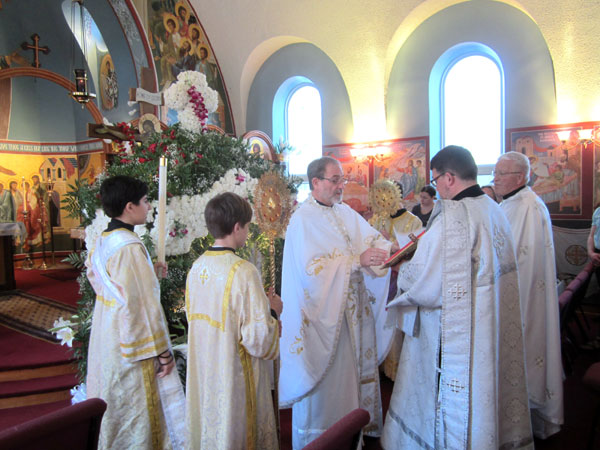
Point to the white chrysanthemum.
(188, 211)
(189, 120)
(177, 98)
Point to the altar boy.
(130, 362)
(232, 335)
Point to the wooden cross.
(147, 100)
(36, 49)
(112, 132)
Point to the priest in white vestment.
(232, 339)
(329, 351)
(130, 361)
(534, 246)
(461, 376)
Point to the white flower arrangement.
(179, 97)
(185, 214)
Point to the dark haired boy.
(130, 361)
(231, 337)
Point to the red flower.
(172, 135)
(124, 160)
(142, 160)
(152, 148)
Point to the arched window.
(297, 119)
(468, 109)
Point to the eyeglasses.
(501, 174)
(335, 180)
(434, 181)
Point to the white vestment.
(332, 307)
(129, 330)
(461, 376)
(232, 338)
(534, 245)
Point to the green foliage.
(195, 163)
(81, 202)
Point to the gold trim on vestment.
(102, 300)
(225, 305)
(145, 351)
(274, 348)
(152, 338)
(251, 417)
(218, 252)
(152, 402)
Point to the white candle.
(162, 208)
(24, 197)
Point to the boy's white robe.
(129, 330)
(232, 339)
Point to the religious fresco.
(179, 43)
(404, 161)
(556, 166)
(109, 87)
(32, 187)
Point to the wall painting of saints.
(179, 43)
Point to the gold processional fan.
(273, 206)
(385, 198)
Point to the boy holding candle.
(233, 332)
(130, 361)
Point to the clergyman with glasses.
(460, 382)
(331, 332)
(532, 232)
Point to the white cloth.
(323, 286)
(532, 234)
(460, 381)
(129, 330)
(232, 338)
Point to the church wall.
(308, 61)
(529, 77)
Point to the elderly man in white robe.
(461, 377)
(534, 245)
(329, 351)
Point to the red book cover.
(404, 252)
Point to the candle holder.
(50, 187)
(28, 263)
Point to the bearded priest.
(329, 348)
(461, 377)
(532, 231)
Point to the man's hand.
(373, 257)
(160, 269)
(275, 301)
(595, 257)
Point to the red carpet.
(58, 284)
(20, 351)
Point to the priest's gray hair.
(317, 168)
(520, 160)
